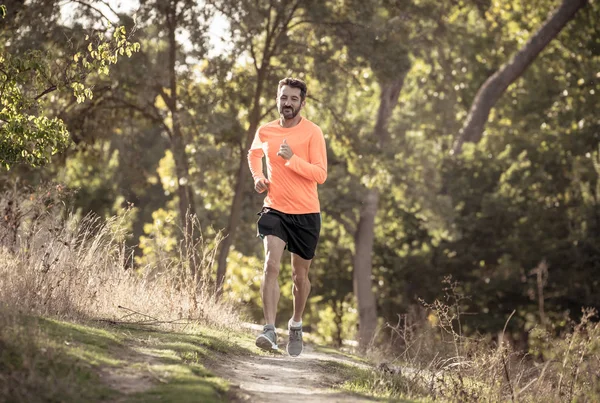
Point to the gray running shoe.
(295, 346)
(267, 340)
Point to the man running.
(296, 158)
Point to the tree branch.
(46, 91)
(264, 115)
(91, 7)
(328, 23)
(153, 118)
(168, 100)
(347, 224)
(109, 7)
(269, 38)
(253, 54)
(493, 88)
(284, 27)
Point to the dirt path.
(156, 359)
(280, 378)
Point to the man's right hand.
(261, 185)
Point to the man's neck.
(287, 123)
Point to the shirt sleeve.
(255, 156)
(316, 167)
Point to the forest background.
(497, 219)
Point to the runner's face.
(289, 102)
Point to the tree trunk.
(235, 213)
(240, 184)
(493, 88)
(184, 190)
(338, 309)
(275, 31)
(363, 241)
(365, 230)
(187, 210)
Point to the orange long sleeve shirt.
(293, 183)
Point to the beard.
(288, 112)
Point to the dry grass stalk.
(53, 263)
(556, 368)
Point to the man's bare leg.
(269, 287)
(300, 289)
(301, 285)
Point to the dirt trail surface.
(281, 378)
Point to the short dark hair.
(294, 83)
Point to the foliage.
(27, 134)
(527, 194)
(26, 137)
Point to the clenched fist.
(285, 151)
(261, 185)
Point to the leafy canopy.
(27, 134)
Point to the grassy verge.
(58, 265)
(50, 360)
(375, 384)
(335, 352)
(435, 363)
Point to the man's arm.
(255, 156)
(316, 168)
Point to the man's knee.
(300, 277)
(272, 267)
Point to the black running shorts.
(300, 232)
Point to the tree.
(28, 135)
(493, 88)
(164, 67)
(375, 37)
(523, 193)
(365, 229)
(261, 29)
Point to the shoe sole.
(264, 343)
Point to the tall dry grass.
(56, 264)
(432, 357)
(53, 262)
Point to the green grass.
(334, 352)
(183, 382)
(41, 361)
(373, 384)
(51, 360)
(45, 359)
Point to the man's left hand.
(285, 151)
